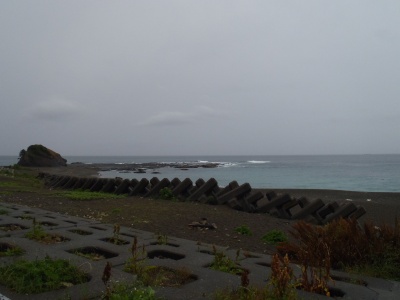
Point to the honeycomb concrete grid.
(175, 254)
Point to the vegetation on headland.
(40, 156)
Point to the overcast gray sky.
(200, 77)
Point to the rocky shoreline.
(141, 167)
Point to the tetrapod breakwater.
(237, 196)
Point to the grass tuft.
(274, 237)
(87, 195)
(33, 277)
(243, 230)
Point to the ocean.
(369, 173)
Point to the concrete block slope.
(90, 245)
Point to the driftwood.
(202, 224)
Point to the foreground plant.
(10, 250)
(124, 290)
(32, 277)
(154, 275)
(281, 285)
(223, 263)
(162, 239)
(344, 244)
(135, 263)
(37, 233)
(129, 291)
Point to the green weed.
(87, 195)
(281, 285)
(223, 263)
(243, 230)
(9, 184)
(166, 194)
(33, 277)
(3, 211)
(162, 239)
(10, 250)
(21, 183)
(125, 290)
(36, 233)
(274, 237)
(129, 291)
(153, 275)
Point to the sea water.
(374, 173)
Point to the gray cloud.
(55, 110)
(176, 118)
(240, 77)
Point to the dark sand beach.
(380, 206)
(172, 218)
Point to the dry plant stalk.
(244, 279)
(105, 278)
(134, 263)
(282, 278)
(106, 273)
(117, 228)
(348, 243)
(313, 253)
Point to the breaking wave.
(258, 161)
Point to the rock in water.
(40, 156)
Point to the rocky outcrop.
(40, 156)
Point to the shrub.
(281, 284)
(274, 237)
(166, 194)
(367, 249)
